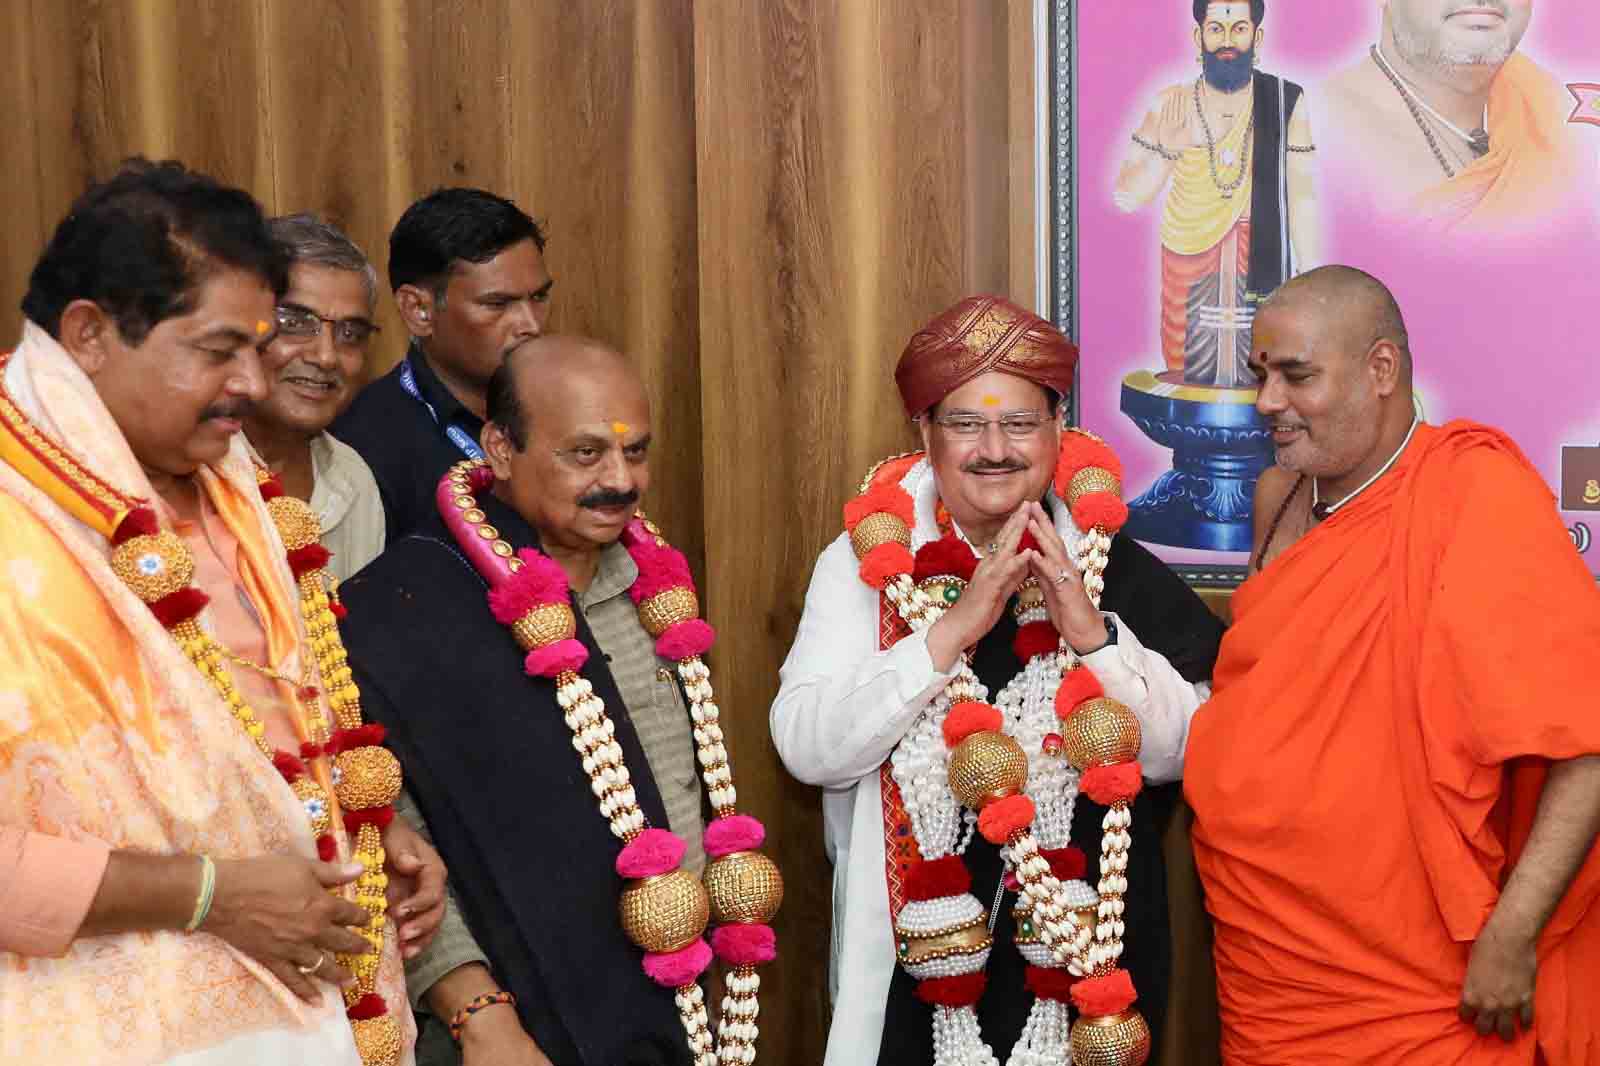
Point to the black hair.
(503, 404)
(141, 243)
(451, 225)
(1258, 11)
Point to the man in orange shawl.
(167, 840)
(1444, 121)
(1395, 784)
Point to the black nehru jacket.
(407, 448)
(1167, 617)
(488, 758)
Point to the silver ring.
(307, 971)
(1061, 578)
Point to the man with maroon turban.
(1019, 591)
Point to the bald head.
(563, 367)
(1347, 307)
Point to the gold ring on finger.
(1061, 578)
(307, 971)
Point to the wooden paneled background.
(759, 200)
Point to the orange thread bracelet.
(488, 999)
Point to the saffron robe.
(109, 736)
(1533, 165)
(1385, 705)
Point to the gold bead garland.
(670, 911)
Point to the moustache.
(237, 411)
(609, 498)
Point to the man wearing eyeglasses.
(312, 366)
(863, 699)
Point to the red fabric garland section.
(1066, 864)
(937, 878)
(1035, 638)
(271, 488)
(311, 557)
(139, 522)
(180, 606)
(327, 847)
(948, 556)
(962, 991)
(370, 1005)
(374, 816)
(290, 767)
(363, 736)
(1049, 984)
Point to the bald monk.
(1444, 120)
(567, 439)
(1395, 784)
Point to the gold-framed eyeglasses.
(1018, 425)
(302, 322)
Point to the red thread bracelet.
(488, 999)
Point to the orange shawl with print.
(1385, 704)
(1532, 166)
(107, 732)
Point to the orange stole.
(1371, 749)
(1533, 164)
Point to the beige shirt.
(345, 500)
(649, 688)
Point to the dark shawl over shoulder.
(489, 759)
(1167, 617)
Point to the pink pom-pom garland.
(674, 969)
(686, 639)
(735, 832)
(650, 854)
(661, 566)
(552, 660)
(539, 583)
(745, 945)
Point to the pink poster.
(1449, 147)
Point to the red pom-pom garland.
(1049, 983)
(1077, 685)
(1118, 783)
(1000, 819)
(937, 878)
(1035, 638)
(969, 717)
(1098, 997)
(886, 562)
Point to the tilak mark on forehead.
(620, 428)
(262, 325)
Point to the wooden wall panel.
(603, 153)
(838, 211)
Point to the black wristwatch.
(1111, 636)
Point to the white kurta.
(842, 707)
